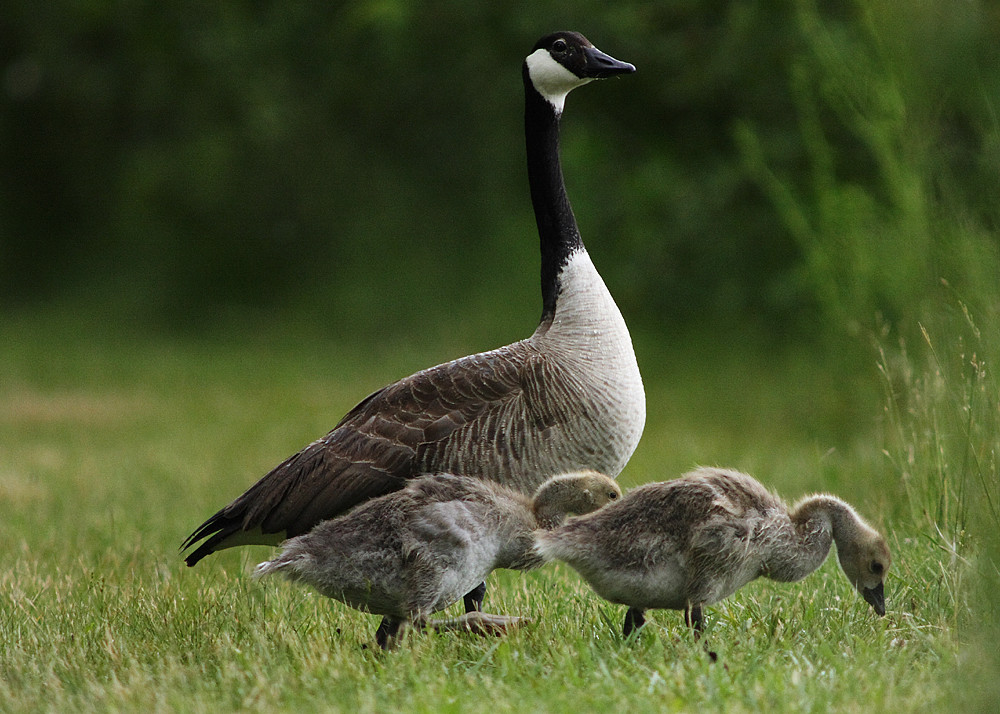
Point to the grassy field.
(877, 151)
(113, 448)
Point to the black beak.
(876, 598)
(599, 65)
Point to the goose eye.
(559, 46)
(876, 567)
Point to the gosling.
(693, 541)
(416, 551)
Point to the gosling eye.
(876, 567)
(612, 495)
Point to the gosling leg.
(388, 629)
(634, 619)
(693, 618)
(474, 598)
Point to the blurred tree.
(182, 159)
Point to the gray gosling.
(416, 551)
(694, 541)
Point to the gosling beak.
(600, 65)
(876, 598)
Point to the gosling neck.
(814, 523)
(844, 520)
(556, 500)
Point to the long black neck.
(557, 228)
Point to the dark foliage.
(183, 158)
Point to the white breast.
(588, 333)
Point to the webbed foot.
(479, 623)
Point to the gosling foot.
(479, 623)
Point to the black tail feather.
(216, 529)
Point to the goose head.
(563, 61)
(572, 494)
(865, 559)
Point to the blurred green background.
(360, 164)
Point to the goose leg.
(474, 598)
(634, 619)
(385, 635)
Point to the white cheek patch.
(551, 79)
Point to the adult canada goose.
(694, 541)
(567, 398)
(413, 552)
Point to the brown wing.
(395, 434)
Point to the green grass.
(115, 444)
(115, 448)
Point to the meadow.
(116, 445)
(218, 237)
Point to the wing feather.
(396, 433)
